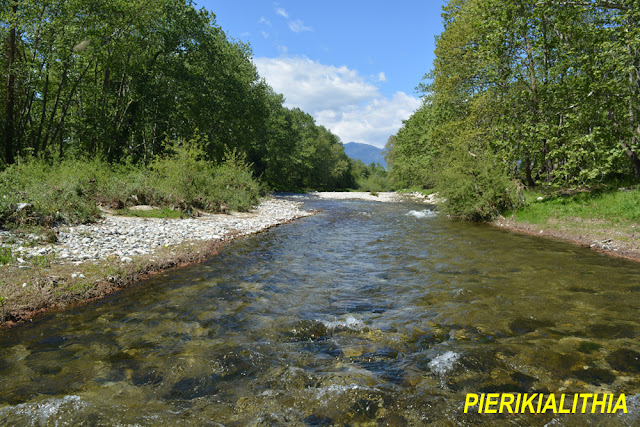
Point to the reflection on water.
(366, 313)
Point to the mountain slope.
(365, 152)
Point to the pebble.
(126, 237)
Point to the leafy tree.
(118, 79)
(541, 92)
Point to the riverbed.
(370, 313)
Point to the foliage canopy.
(527, 92)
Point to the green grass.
(608, 205)
(5, 255)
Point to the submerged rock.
(523, 325)
(625, 360)
(318, 420)
(309, 330)
(146, 377)
(608, 331)
(595, 376)
(588, 347)
(192, 388)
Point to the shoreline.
(605, 241)
(54, 277)
(383, 196)
(85, 265)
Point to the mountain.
(365, 152)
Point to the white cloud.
(280, 11)
(264, 20)
(298, 26)
(264, 34)
(382, 77)
(338, 98)
(372, 123)
(313, 86)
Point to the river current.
(365, 314)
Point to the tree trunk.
(634, 105)
(10, 107)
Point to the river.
(367, 313)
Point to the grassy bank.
(41, 193)
(613, 206)
(605, 218)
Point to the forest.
(132, 84)
(524, 94)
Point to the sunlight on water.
(357, 315)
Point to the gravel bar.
(124, 237)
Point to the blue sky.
(352, 65)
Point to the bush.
(36, 193)
(372, 178)
(41, 193)
(233, 184)
(375, 183)
(183, 179)
(475, 186)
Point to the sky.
(353, 65)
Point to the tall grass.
(43, 193)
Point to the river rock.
(625, 360)
(124, 237)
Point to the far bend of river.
(368, 313)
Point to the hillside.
(365, 152)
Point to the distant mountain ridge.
(365, 152)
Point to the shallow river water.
(365, 314)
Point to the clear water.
(366, 314)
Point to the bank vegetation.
(529, 94)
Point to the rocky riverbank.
(123, 237)
(91, 260)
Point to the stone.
(21, 206)
(625, 360)
(123, 237)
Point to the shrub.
(183, 178)
(38, 193)
(475, 186)
(234, 185)
(374, 183)
(41, 193)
